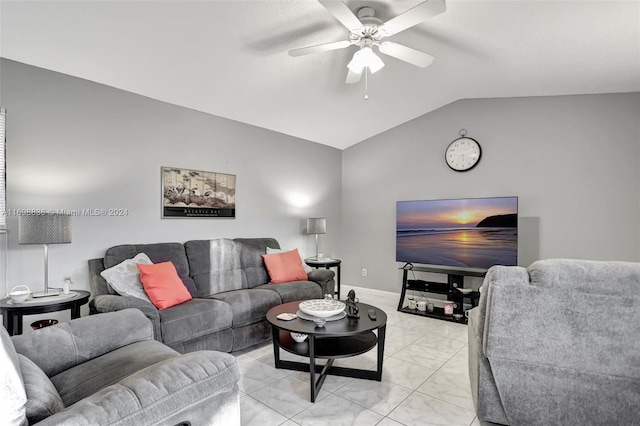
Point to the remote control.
(372, 314)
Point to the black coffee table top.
(342, 327)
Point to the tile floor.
(424, 382)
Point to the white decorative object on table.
(322, 307)
(320, 322)
(18, 296)
(298, 337)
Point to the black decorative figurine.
(352, 305)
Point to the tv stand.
(455, 279)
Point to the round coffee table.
(343, 338)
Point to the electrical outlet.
(364, 272)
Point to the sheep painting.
(195, 193)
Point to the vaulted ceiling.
(229, 58)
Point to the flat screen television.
(473, 233)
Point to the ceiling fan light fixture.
(365, 58)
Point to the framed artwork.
(196, 193)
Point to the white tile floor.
(425, 379)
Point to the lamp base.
(51, 293)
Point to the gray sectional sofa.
(229, 284)
(557, 344)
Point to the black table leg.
(381, 335)
(312, 366)
(13, 323)
(75, 311)
(275, 332)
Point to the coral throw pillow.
(163, 285)
(284, 267)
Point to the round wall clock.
(463, 154)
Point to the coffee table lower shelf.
(329, 348)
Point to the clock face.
(463, 154)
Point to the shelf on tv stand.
(455, 279)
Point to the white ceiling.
(229, 58)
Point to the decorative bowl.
(18, 296)
(465, 290)
(298, 337)
(322, 308)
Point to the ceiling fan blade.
(407, 54)
(343, 14)
(320, 48)
(353, 77)
(413, 16)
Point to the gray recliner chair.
(107, 369)
(557, 343)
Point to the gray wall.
(573, 161)
(74, 144)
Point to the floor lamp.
(316, 225)
(45, 229)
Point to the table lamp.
(316, 225)
(45, 229)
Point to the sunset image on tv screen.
(471, 232)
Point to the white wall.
(74, 144)
(573, 161)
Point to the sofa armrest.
(111, 303)
(324, 278)
(195, 388)
(501, 276)
(62, 346)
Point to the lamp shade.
(316, 225)
(44, 229)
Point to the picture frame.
(188, 193)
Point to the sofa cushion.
(12, 394)
(124, 278)
(284, 267)
(215, 266)
(296, 290)
(249, 305)
(193, 319)
(251, 251)
(89, 377)
(160, 252)
(43, 400)
(163, 285)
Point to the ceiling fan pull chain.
(366, 83)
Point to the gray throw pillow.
(43, 400)
(124, 278)
(12, 394)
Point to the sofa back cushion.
(251, 261)
(215, 266)
(77, 341)
(160, 252)
(587, 276)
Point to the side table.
(12, 313)
(326, 263)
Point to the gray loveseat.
(557, 343)
(108, 370)
(230, 288)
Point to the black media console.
(455, 280)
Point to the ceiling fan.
(367, 31)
